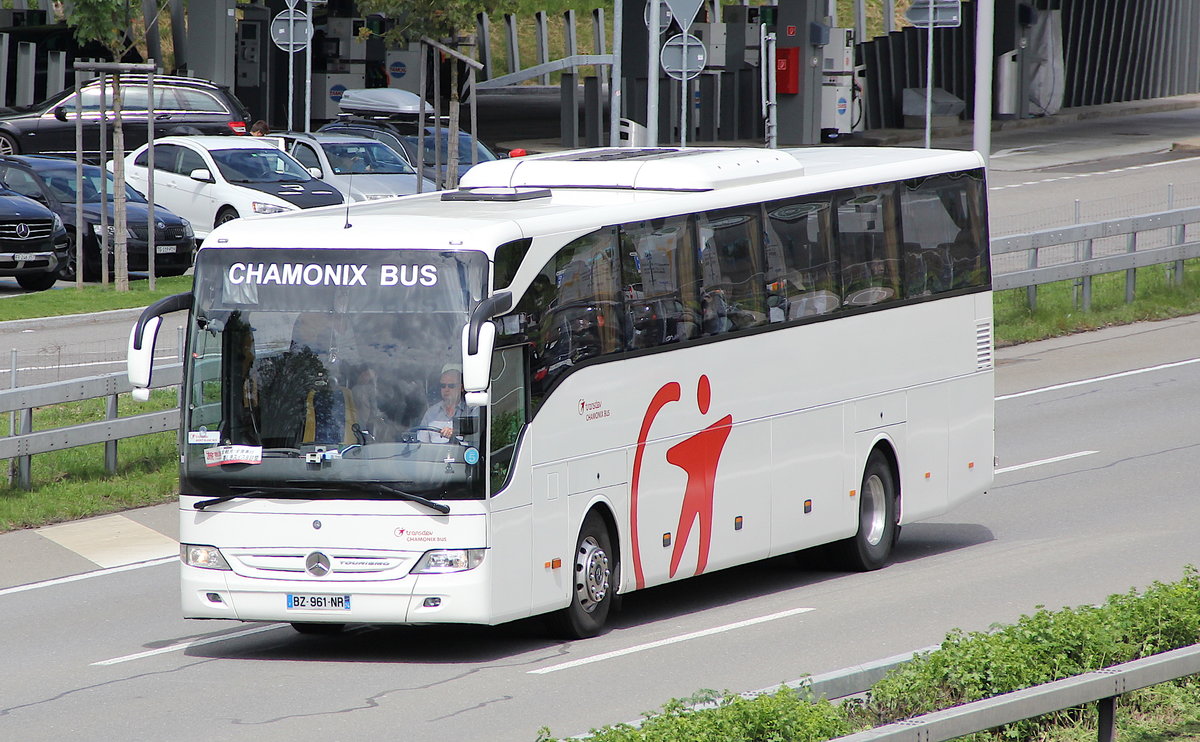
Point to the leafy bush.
(1039, 648)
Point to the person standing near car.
(260, 129)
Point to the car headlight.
(441, 561)
(187, 228)
(204, 557)
(264, 208)
(58, 225)
(112, 232)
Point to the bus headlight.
(441, 561)
(205, 557)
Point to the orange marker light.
(928, 475)
(554, 563)
(853, 493)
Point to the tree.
(442, 20)
(110, 23)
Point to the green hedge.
(1039, 648)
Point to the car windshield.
(62, 185)
(328, 368)
(259, 165)
(482, 153)
(365, 157)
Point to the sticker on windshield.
(208, 437)
(232, 455)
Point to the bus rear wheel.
(592, 587)
(871, 547)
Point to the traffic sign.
(934, 13)
(291, 31)
(684, 11)
(673, 59)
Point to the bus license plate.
(21, 257)
(164, 249)
(318, 602)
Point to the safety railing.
(23, 442)
(1102, 687)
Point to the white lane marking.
(86, 576)
(1102, 172)
(187, 645)
(1043, 462)
(671, 640)
(1098, 379)
(111, 540)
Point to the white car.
(212, 179)
(362, 168)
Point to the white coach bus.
(579, 375)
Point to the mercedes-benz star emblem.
(317, 564)
(22, 230)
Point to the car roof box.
(382, 101)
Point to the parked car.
(33, 241)
(181, 105)
(211, 180)
(363, 169)
(391, 116)
(51, 181)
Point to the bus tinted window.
(869, 246)
(576, 307)
(732, 292)
(941, 223)
(802, 269)
(660, 282)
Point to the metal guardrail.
(24, 442)
(1087, 264)
(1101, 687)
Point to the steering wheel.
(410, 435)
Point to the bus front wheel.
(871, 547)
(592, 587)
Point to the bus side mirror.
(140, 354)
(477, 366)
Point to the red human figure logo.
(698, 456)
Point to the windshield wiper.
(316, 492)
(385, 489)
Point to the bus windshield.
(332, 373)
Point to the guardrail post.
(110, 447)
(1130, 273)
(1031, 291)
(24, 463)
(1106, 723)
(1178, 235)
(543, 41)
(12, 416)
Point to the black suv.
(51, 181)
(33, 242)
(182, 105)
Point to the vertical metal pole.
(614, 81)
(12, 416)
(1106, 721)
(652, 77)
(105, 243)
(78, 180)
(474, 118)
(1085, 281)
(24, 463)
(929, 82)
(437, 118)
(984, 22)
(542, 36)
(1031, 291)
(151, 224)
(1130, 273)
(683, 95)
(110, 447)
(1178, 235)
(772, 108)
(308, 67)
(420, 163)
(291, 62)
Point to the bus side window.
(938, 245)
(868, 244)
(574, 310)
(802, 270)
(508, 410)
(659, 282)
(733, 294)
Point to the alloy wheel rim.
(591, 574)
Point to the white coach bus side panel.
(509, 560)
(551, 537)
(972, 440)
(809, 505)
(923, 477)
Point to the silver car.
(363, 169)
